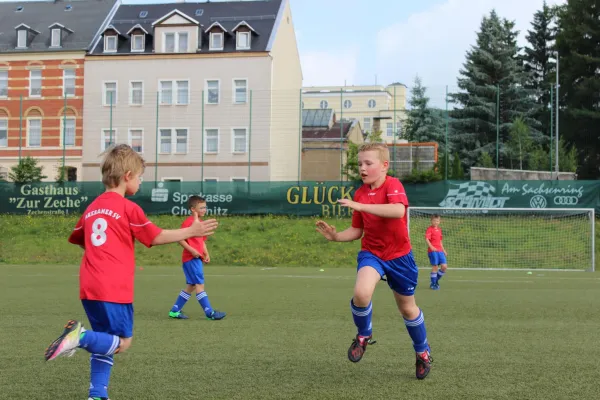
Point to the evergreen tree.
(578, 44)
(27, 171)
(485, 160)
(492, 70)
(520, 141)
(423, 123)
(457, 170)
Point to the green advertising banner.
(302, 199)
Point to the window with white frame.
(166, 92)
(183, 92)
(136, 139)
(240, 140)
(240, 94)
(367, 124)
(55, 40)
(243, 41)
(176, 42)
(3, 83)
(169, 42)
(138, 43)
(136, 93)
(398, 127)
(347, 103)
(22, 38)
(173, 140)
(34, 132)
(211, 141)
(69, 82)
(110, 44)
(389, 129)
(165, 141)
(35, 83)
(3, 132)
(181, 141)
(212, 92)
(182, 42)
(323, 104)
(372, 103)
(110, 93)
(67, 131)
(216, 41)
(109, 138)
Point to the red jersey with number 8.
(108, 229)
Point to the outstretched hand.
(350, 204)
(328, 231)
(203, 228)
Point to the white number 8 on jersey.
(99, 232)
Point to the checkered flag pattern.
(482, 189)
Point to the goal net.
(508, 238)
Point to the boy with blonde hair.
(379, 218)
(107, 231)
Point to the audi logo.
(566, 200)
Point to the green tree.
(485, 160)
(539, 159)
(423, 123)
(567, 157)
(520, 140)
(492, 69)
(27, 171)
(578, 44)
(457, 170)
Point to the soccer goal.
(508, 238)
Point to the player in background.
(435, 250)
(107, 231)
(194, 254)
(379, 218)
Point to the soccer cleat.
(358, 347)
(177, 315)
(434, 286)
(423, 364)
(98, 398)
(216, 315)
(67, 343)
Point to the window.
(55, 42)
(110, 93)
(240, 94)
(136, 93)
(166, 92)
(109, 138)
(183, 92)
(211, 180)
(34, 132)
(238, 179)
(398, 127)
(67, 131)
(240, 140)
(22, 38)
(216, 41)
(347, 104)
(3, 132)
(138, 43)
(176, 42)
(3, 83)
(174, 140)
(35, 83)
(323, 104)
(372, 103)
(212, 92)
(367, 124)
(243, 41)
(211, 141)
(390, 129)
(136, 139)
(110, 44)
(69, 82)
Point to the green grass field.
(494, 335)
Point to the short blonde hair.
(381, 148)
(118, 160)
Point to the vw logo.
(566, 200)
(538, 201)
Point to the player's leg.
(202, 298)
(443, 267)
(177, 309)
(433, 260)
(368, 275)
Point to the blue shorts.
(113, 318)
(401, 273)
(194, 272)
(437, 258)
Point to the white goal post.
(509, 238)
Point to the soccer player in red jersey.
(107, 231)
(194, 254)
(379, 218)
(436, 252)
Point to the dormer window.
(176, 42)
(217, 36)
(110, 43)
(56, 34)
(138, 38)
(25, 35)
(243, 36)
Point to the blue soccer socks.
(362, 318)
(99, 343)
(418, 333)
(202, 298)
(440, 275)
(434, 278)
(180, 302)
(100, 375)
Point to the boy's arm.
(348, 235)
(198, 228)
(185, 245)
(396, 210)
(430, 245)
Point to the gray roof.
(260, 15)
(317, 118)
(84, 18)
